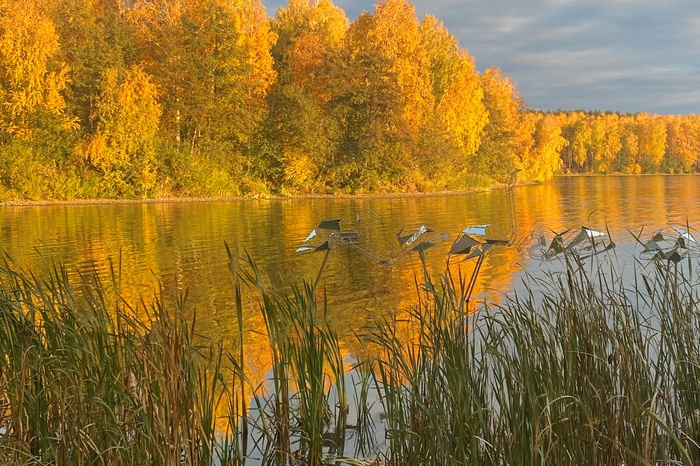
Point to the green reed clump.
(86, 381)
(301, 425)
(587, 370)
(583, 368)
(434, 397)
(575, 375)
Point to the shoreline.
(571, 175)
(173, 200)
(279, 197)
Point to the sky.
(625, 56)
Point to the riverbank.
(163, 200)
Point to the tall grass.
(301, 425)
(590, 370)
(87, 381)
(582, 368)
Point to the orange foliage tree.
(302, 134)
(306, 102)
(383, 98)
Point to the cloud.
(619, 55)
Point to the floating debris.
(579, 243)
(324, 237)
(671, 243)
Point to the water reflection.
(181, 245)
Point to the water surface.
(181, 245)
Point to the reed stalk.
(307, 370)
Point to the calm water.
(181, 245)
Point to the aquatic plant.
(84, 380)
(298, 423)
(581, 368)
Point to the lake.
(181, 245)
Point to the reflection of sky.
(619, 55)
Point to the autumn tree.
(123, 147)
(627, 159)
(683, 144)
(581, 142)
(651, 134)
(94, 37)
(383, 97)
(321, 18)
(31, 79)
(605, 142)
(541, 160)
(301, 132)
(395, 35)
(36, 132)
(211, 59)
(498, 154)
(566, 154)
(454, 131)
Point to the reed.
(582, 368)
(434, 397)
(300, 424)
(590, 369)
(85, 378)
(88, 381)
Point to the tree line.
(158, 98)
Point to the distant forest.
(161, 98)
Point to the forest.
(205, 98)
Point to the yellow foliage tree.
(605, 142)
(123, 148)
(211, 59)
(627, 160)
(683, 148)
(395, 35)
(383, 97)
(504, 138)
(255, 39)
(541, 161)
(651, 133)
(31, 80)
(301, 131)
(459, 112)
(94, 36)
(303, 16)
(310, 36)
